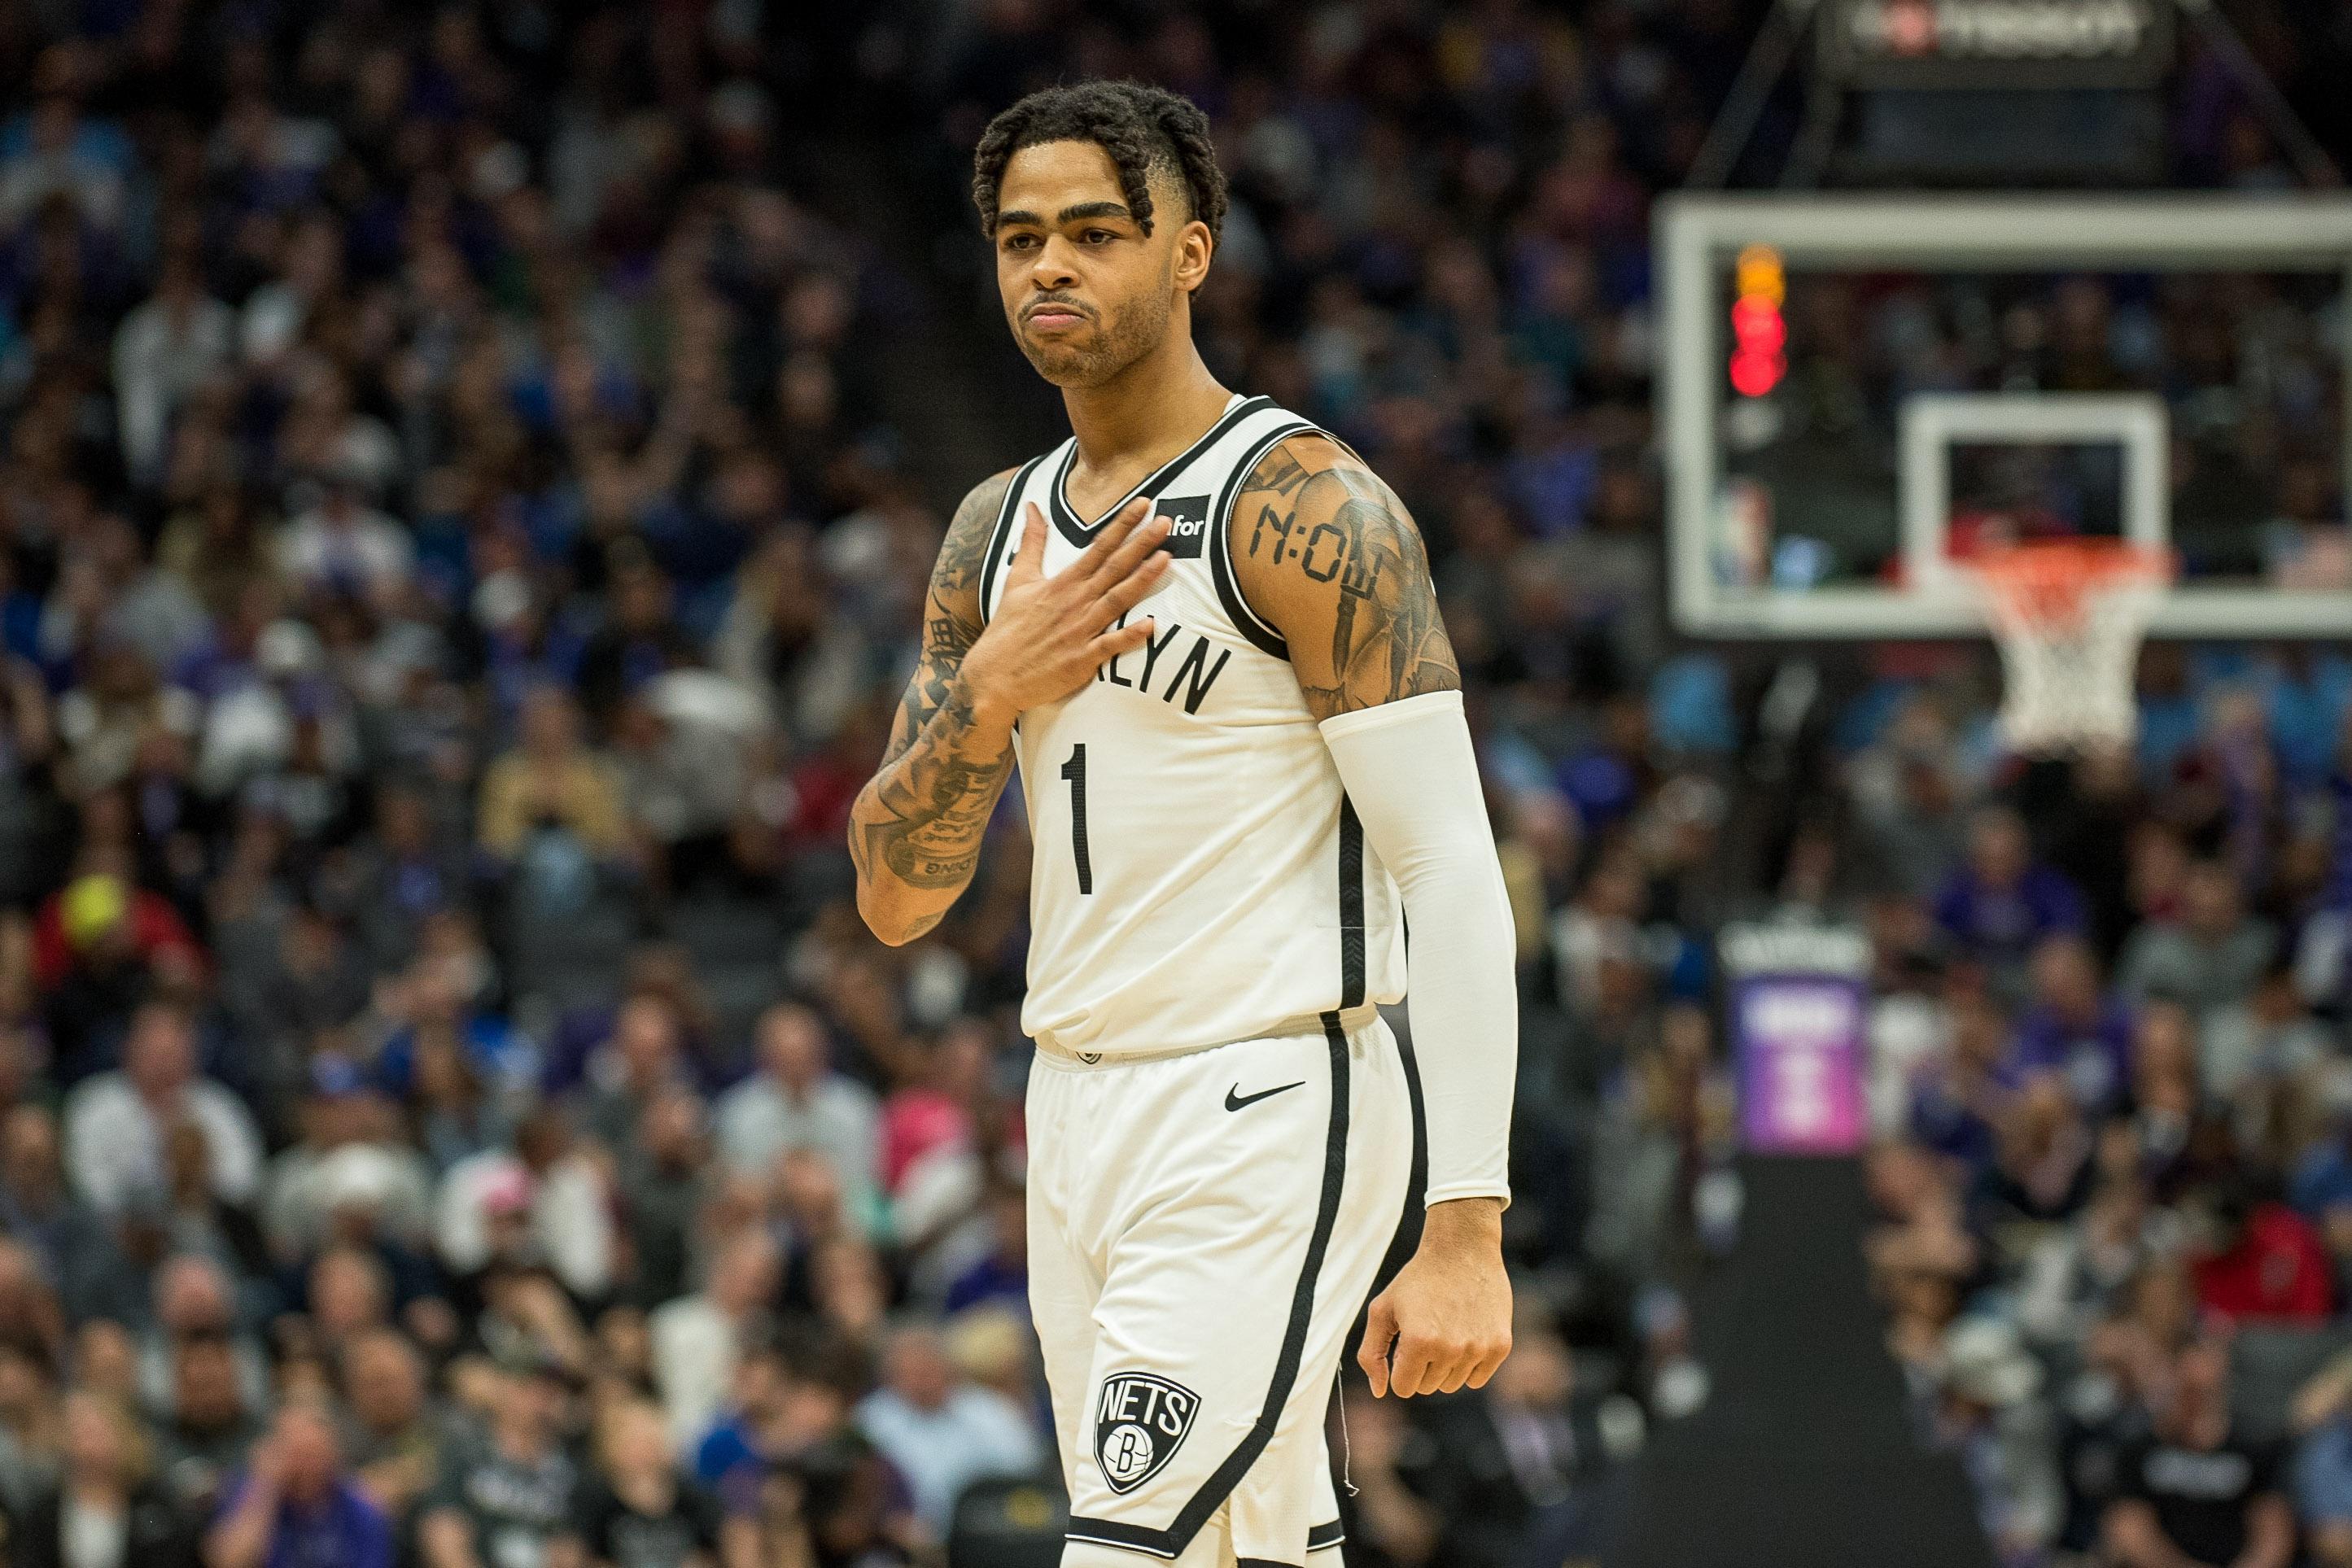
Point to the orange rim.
(2049, 579)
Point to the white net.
(2069, 620)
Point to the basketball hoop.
(2069, 615)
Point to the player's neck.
(1149, 411)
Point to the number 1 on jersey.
(1075, 770)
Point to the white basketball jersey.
(1200, 876)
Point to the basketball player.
(1207, 635)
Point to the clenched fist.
(1444, 1322)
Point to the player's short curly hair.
(1142, 128)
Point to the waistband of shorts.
(1055, 1055)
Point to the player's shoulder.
(964, 550)
(982, 503)
(1326, 557)
(1308, 484)
(1287, 464)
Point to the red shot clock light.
(1758, 335)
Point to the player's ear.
(1194, 248)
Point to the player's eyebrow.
(1019, 215)
(1096, 210)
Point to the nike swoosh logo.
(1235, 1099)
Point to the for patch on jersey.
(1188, 525)
(1140, 1423)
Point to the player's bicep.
(1327, 555)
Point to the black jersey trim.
(1325, 1536)
(1130, 1537)
(1351, 906)
(1220, 545)
(1214, 1491)
(1078, 533)
(999, 553)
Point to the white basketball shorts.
(1204, 1230)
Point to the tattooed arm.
(1329, 557)
(1325, 553)
(915, 831)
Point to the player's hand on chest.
(1051, 633)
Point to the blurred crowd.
(458, 563)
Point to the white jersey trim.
(997, 553)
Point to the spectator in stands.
(2194, 1493)
(663, 1182)
(1001, 1273)
(208, 1429)
(2071, 1028)
(2268, 1045)
(343, 545)
(2211, 957)
(797, 1099)
(548, 1198)
(2077, 1277)
(2002, 902)
(2266, 1261)
(1651, 1148)
(506, 1498)
(1961, 1097)
(195, 1298)
(391, 1440)
(106, 1512)
(1909, 790)
(1991, 1412)
(697, 1339)
(295, 1505)
(2321, 1188)
(348, 1156)
(2179, 1138)
(551, 781)
(941, 1433)
(164, 352)
(2323, 1462)
(76, 1247)
(2042, 1170)
(116, 1124)
(645, 1058)
(640, 1512)
(101, 948)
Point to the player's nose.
(1053, 267)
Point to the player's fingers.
(1141, 545)
(1372, 1355)
(1413, 1368)
(1120, 640)
(1123, 594)
(1113, 533)
(1491, 1362)
(1030, 559)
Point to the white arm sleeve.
(1410, 770)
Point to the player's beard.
(1132, 332)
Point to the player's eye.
(1019, 242)
(1095, 236)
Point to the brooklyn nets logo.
(1140, 1423)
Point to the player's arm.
(1327, 554)
(915, 830)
